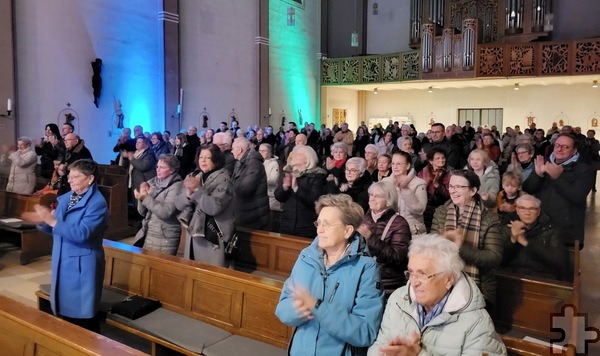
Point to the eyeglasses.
(457, 187)
(561, 147)
(324, 224)
(353, 171)
(378, 196)
(419, 276)
(204, 157)
(70, 139)
(531, 209)
(76, 177)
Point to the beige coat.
(22, 171)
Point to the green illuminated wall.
(294, 65)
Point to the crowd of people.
(377, 202)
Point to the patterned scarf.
(470, 224)
(75, 198)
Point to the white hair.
(440, 250)
(359, 161)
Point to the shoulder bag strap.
(387, 227)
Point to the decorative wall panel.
(587, 57)
(491, 61)
(410, 65)
(522, 60)
(371, 69)
(391, 68)
(554, 58)
(350, 71)
(330, 72)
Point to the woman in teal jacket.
(333, 296)
(77, 225)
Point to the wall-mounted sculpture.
(97, 80)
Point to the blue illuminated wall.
(57, 40)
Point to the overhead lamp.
(375, 91)
(430, 90)
(517, 87)
(595, 84)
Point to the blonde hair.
(484, 156)
(350, 212)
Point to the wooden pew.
(525, 305)
(240, 303)
(33, 243)
(520, 302)
(112, 183)
(27, 331)
(268, 252)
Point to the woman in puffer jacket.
(440, 311)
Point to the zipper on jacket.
(333, 293)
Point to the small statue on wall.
(97, 80)
(119, 115)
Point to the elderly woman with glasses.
(333, 296)
(440, 311)
(474, 228)
(533, 245)
(77, 226)
(387, 234)
(355, 182)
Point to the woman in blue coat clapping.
(77, 226)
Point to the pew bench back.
(238, 302)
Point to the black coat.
(545, 255)
(358, 191)
(299, 214)
(251, 202)
(564, 198)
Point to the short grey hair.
(526, 145)
(401, 140)
(359, 161)
(312, 160)
(268, 147)
(531, 198)
(243, 143)
(389, 191)
(26, 140)
(439, 249)
(340, 146)
(224, 138)
(171, 161)
(371, 147)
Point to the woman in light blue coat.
(333, 296)
(77, 225)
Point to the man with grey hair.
(75, 150)
(223, 140)
(532, 244)
(251, 201)
(346, 136)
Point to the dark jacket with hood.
(251, 202)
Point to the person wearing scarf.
(474, 228)
(562, 184)
(435, 174)
(160, 230)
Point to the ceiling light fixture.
(595, 84)
(430, 90)
(517, 87)
(375, 91)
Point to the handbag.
(135, 307)
(230, 247)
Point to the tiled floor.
(21, 282)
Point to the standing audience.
(21, 178)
